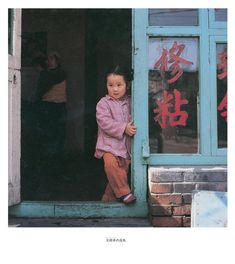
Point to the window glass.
(173, 17)
(220, 14)
(10, 31)
(173, 95)
(221, 57)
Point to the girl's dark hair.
(120, 70)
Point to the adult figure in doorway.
(51, 117)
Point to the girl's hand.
(130, 129)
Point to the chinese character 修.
(172, 57)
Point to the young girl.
(115, 130)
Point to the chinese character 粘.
(162, 110)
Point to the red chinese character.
(223, 65)
(223, 105)
(172, 57)
(162, 62)
(177, 117)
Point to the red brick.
(182, 210)
(174, 221)
(167, 175)
(186, 221)
(161, 187)
(212, 186)
(161, 210)
(207, 174)
(166, 199)
(187, 198)
(184, 187)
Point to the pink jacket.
(112, 117)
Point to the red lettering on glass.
(172, 57)
(177, 117)
(222, 65)
(223, 105)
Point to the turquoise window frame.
(213, 23)
(207, 130)
(214, 40)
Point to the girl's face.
(116, 86)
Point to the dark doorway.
(89, 41)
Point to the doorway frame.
(138, 168)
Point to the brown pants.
(116, 169)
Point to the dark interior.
(89, 41)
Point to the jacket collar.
(123, 99)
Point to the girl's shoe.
(128, 198)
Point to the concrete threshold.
(79, 222)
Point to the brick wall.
(170, 191)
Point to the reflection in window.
(173, 17)
(10, 31)
(220, 14)
(221, 53)
(173, 93)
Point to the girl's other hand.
(130, 129)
